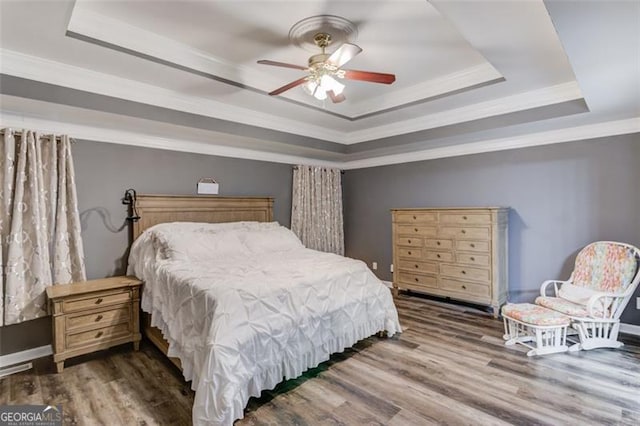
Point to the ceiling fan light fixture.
(329, 83)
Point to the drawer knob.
(415, 229)
(99, 334)
(472, 258)
(464, 272)
(98, 301)
(98, 318)
(409, 241)
(464, 231)
(417, 266)
(464, 217)
(417, 280)
(438, 242)
(415, 217)
(438, 256)
(472, 245)
(409, 252)
(464, 287)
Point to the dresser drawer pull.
(409, 241)
(98, 318)
(438, 256)
(99, 334)
(417, 280)
(464, 272)
(464, 231)
(464, 217)
(472, 245)
(409, 252)
(417, 266)
(472, 258)
(438, 242)
(415, 217)
(464, 287)
(415, 229)
(99, 301)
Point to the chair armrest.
(609, 307)
(543, 287)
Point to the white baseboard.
(7, 371)
(25, 356)
(630, 329)
(387, 283)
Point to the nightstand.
(94, 315)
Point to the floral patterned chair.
(604, 278)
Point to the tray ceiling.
(462, 68)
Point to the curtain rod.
(296, 168)
(19, 133)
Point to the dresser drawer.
(95, 300)
(471, 289)
(473, 259)
(417, 266)
(99, 335)
(415, 217)
(419, 230)
(475, 246)
(440, 256)
(409, 241)
(410, 253)
(438, 244)
(98, 319)
(481, 233)
(418, 280)
(467, 273)
(465, 218)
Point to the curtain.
(39, 222)
(316, 208)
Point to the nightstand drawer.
(99, 335)
(96, 301)
(98, 319)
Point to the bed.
(240, 304)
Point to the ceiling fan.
(324, 68)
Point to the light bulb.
(320, 94)
(329, 83)
(310, 87)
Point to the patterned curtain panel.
(316, 208)
(39, 222)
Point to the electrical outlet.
(391, 268)
(637, 302)
(374, 266)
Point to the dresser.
(458, 253)
(94, 315)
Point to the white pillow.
(578, 294)
(203, 247)
(271, 239)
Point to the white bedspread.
(241, 324)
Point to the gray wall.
(104, 171)
(562, 197)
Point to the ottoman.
(542, 330)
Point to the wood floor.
(449, 366)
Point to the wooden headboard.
(154, 209)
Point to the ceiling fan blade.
(373, 77)
(344, 54)
(282, 64)
(291, 85)
(336, 99)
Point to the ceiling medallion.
(303, 32)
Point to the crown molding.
(532, 99)
(39, 69)
(98, 134)
(549, 137)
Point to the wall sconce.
(130, 198)
(207, 186)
